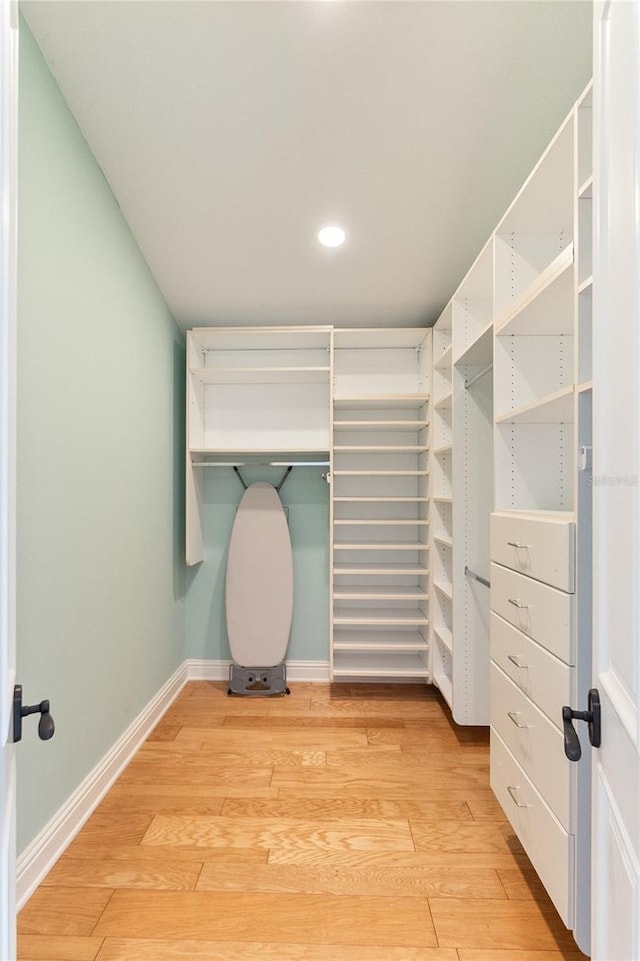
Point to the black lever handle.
(46, 727)
(593, 718)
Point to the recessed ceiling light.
(332, 236)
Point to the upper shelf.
(261, 375)
(545, 307)
(444, 361)
(556, 408)
(379, 401)
(379, 425)
(479, 352)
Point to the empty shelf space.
(368, 522)
(585, 192)
(380, 570)
(443, 449)
(260, 375)
(443, 539)
(380, 401)
(444, 402)
(379, 665)
(380, 425)
(533, 312)
(379, 615)
(479, 352)
(444, 636)
(395, 546)
(380, 448)
(380, 473)
(369, 592)
(379, 641)
(380, 500)
(556, 408)
(444, 587)
(444, 360)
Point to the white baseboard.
(39, 857)
(203, 670)
(45, 849)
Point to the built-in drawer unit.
(548, 845)
(543, 613)
(540, 675)
(534, 742)
(540, 547)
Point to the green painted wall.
(101, 609)
(306, 495)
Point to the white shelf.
(444, 636)
(380, 425)
(440, 539)
(586, 284)
(585, 192)
(444, 402)
(371, 593)
(584, 387)
(443, 449)
(443, 682)
(556, 408)
(260, 375)
(363, 641)
(380, 500)
(384, 522)
(381, 570)
(382, 616)
(444, 361)
(444, 587)
(380, 448)
(380, 401)
(536, 311)
(380, 473)
(442, 500)
(380, 665)
(406, 546)
(479, 352)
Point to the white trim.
(208, 670)
(45, 849)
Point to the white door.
(616, 475)
(8, 209)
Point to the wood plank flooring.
(342, 823)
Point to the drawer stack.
(532, 668)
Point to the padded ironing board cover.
(259, 583)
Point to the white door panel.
(8, 208)
(616, 481)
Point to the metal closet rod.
(483, 580)
(478, 376)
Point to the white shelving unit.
(253, 394)
(380, 477)
(441, 510)
(472, 488)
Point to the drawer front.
(548, 845)
(535, 743)
(544, 549)
(545, 679)
(543, 613)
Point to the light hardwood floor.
(342, 823)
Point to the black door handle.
(46, 727)
(593, 718)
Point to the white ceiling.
(231, 131)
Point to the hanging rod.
(469, 573)
(478, 376)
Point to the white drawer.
(542, 676)
(543, 548)
(548, 845)
(541, 612)
(535, 743)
